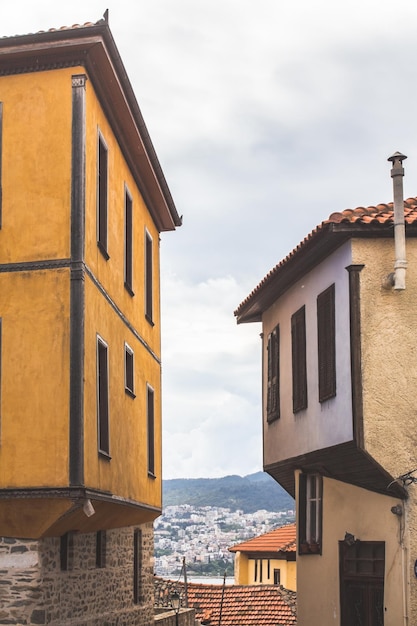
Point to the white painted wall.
(321, 424)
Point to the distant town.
(202, 536)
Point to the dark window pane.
(103, 398)
(299, 363)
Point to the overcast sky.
(266, 116)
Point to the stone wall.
(35, 590)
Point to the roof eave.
(93, 47)
(324, 240)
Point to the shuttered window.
(137, 566)
(326, 337)
(299, 363)
(273, 396)
(103, 398)
(148, 277)
(151, 430)
(102, 196)
(128, 243)
(129, 371)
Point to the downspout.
(397, 279)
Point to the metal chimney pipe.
(397, 174)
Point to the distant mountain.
(248, 494)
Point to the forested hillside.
(249, 493)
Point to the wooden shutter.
(273, 395)
(299, 363)
(326, 337)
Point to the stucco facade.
(332, 320)
(83, 203)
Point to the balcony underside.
(36, 513)
(345, 462)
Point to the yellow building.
(83, 203)
(339, 370)
(269, 559)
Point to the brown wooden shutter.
(273, 395)
(326, 337)
(299, 363)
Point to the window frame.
(66, 551)
(299, 360)
(149, 277)
(129, 371)
(310, 523)
(150, 425)
(101, 549)
(326, 343)
(137, 566)
(103, 398)
(102, 195)
(273, 376)
(128, 241)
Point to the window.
(1, 144)
(310, 513)
(129, 371)
(362, 571)
(102, 196)
(151, 430)
(67, 551)
(326, 338)
(299, 363)
(103, 397)
(137, 566)
(128, 243)
(148, 277)
(273, 401)
(277, 576)
(101, 548)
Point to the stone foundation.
(35, 590)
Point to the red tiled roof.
(373, 219)
(382, 214)
(281, 539)
(242, 605)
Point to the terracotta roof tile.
(282, 539)
(240, 605)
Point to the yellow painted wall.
(126, 474)
(110, 272)
(36, 166)
(245, 571)
(368, 517)
(34, 307)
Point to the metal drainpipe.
(397, 174)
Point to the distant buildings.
(203, 535)
(339, 329)
(83, 202)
